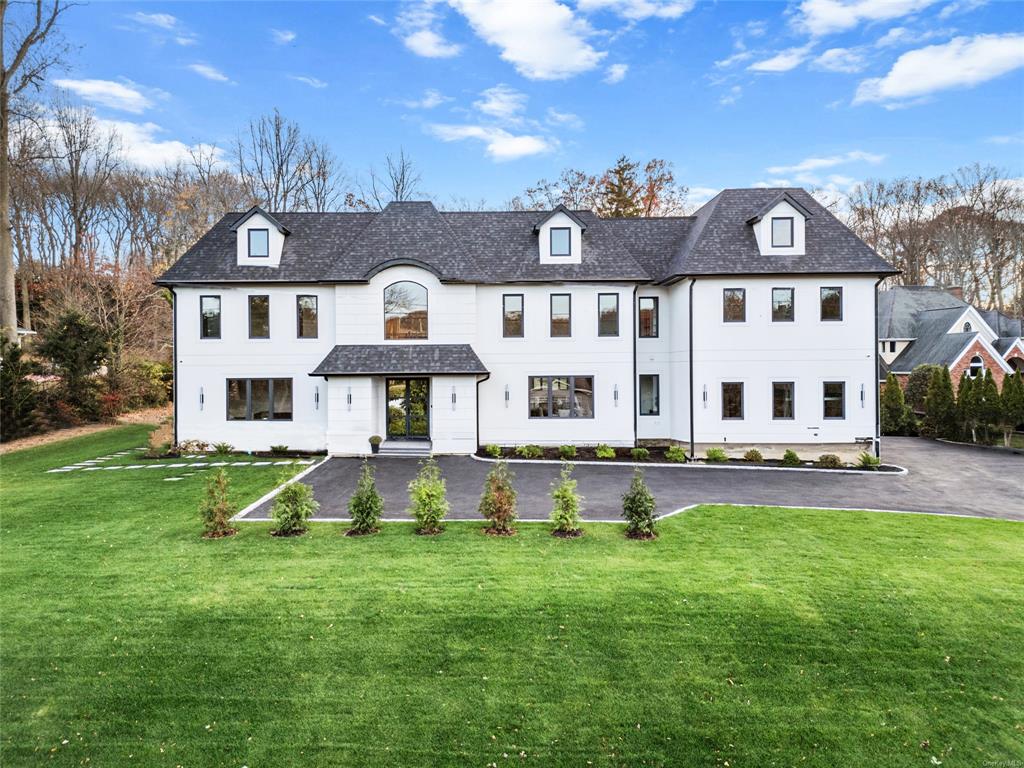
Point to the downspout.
(174, 371)
(636, 388)
(878, 399)
(690, 307)
(478, 383)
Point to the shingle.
(399, 360)
(899, 308)
(942, 349)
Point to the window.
(561, 241)
(834, 399)
(209, 317)
(782, 399)
(259, 243)
(782, 232)
(306, 309)
(607, 314)
(648, 310)
(649, 395)
(512, 315)
(405, 311)
(892, 346)
(977, 367)
(782, 305)
(561, 314)
(259, 317)
(734, 305)
(561, 397)
(968, 328)
(831, 303)
(732, 399)
(259, 399)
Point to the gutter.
(693, 280)
(174, 357)
(636, 387)
(877, 376)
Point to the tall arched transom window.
(405, 311)
(977, 367)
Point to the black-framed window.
(783, 399)
(647, 321)
(306, 317)
(259, 399)
(259, 243)
(650, 394)
(782, 232)
(607, 314)
(783, 302)
(561, 314)
(892, 346)
(732, 399)
(561, 241)
(512, 316)
(833, 399)
(561, 397)
(831, 303)
(405, 311)
(259, 317)
(209, 317)
(734, 305)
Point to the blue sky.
(487, 97)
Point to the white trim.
(988, 348)
(239, 516)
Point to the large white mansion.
(752, 321)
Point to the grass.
(747, 637)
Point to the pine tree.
(621, 193)
(967, 407)
(988, 403)
(1011, 403)
(896, 416)
(18, 395)
(939, 405)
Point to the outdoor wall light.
(348, 398)
(316, 398)
(705, 395)
(202, 399)
(506, 395)
(862, 398)
(616, 395)
(453, 397)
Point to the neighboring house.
(923, 324)
(751, 321)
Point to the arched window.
(405, 311)
(967, 328)
(977, 367)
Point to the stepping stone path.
(93, 465)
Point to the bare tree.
(400, 181)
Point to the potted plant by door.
(375, 442)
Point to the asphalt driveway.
(942, 478)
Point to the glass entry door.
(408, 409)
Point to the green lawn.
(742, 637)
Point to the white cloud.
(841, 60)
(697, 196)
(818, 163)
(210, 73)
(731, 96)
(161, 20)
(823, 17)
(616, 73)
(142, 147)
(186, 38)
(547, 43)
(1012, 138)
(500, 144)
(737, 58)
(783, 61)
(898, 36)
(431, 98)
(960, 63)
(638, 10)
(756, 28)
(312, 82)
(377, 20)
(564, 119)
(502, 102)
(417, 25)
(108, 93)
(282, 36)
(961, 6)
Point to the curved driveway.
(942, 478)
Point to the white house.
(752, 321)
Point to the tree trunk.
(26, 309)
(8, 302)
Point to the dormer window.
(967, 328)
(259, 243)
(782, 232)
(561, 241)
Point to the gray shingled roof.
(399, 360)
(1002, 325)
(1003, 343)
(939, 349)
(899, 308)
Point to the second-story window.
(561, 314)
(734, 305)
(782, 232)
(308, 323)
(561, 241)
(259, 317)
(512, 315)
(832, 304)
(647, 309)
(405, 311)
(607, 314)
(209, 317)
(782, 305)
(259, 243)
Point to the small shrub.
(278, 450)
(790, 459)
(604, 451)
(753, 456)
(498, 502)
(639, 454)
(529, 451)
(830, 461)
(675, 453)
(565, 513)
(376, 440)
(215, 509)
(223, 449)
(111, 405)
(366, 505)
(566, 452)
(868, 460)
(492, 450)
(638, 508)
(293, 506)
(716, 455)
(19, 397)
(428, 501)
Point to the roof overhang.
(257, 210)
(784, 197)
(400, 360)
(557, 210)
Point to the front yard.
(741, 637)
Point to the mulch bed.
(574, 534)
(498, 532)
(220, 534)
(288, 534)
(354, 532)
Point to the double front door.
(408, 408)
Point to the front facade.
(750, 322)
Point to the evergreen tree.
(967, 407)
(76, 348)
(18, 395)
(896, 416)
(917, 386)
(620, 191)
(940, 407)
(1011, 402)
(988, 404)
